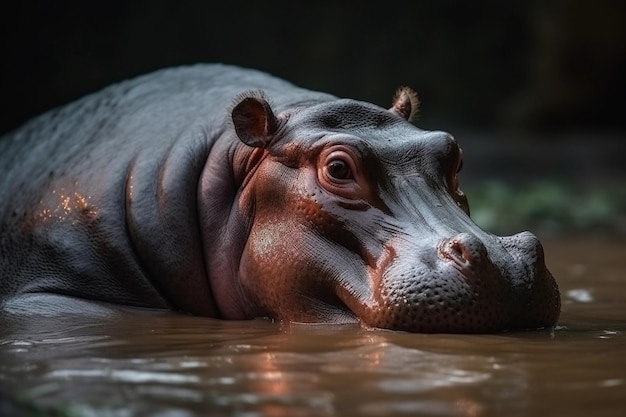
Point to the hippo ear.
(405, 103)
(255, 123)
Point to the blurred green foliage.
(553, 207)
(23, 406)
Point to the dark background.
(517, 63)
(531, 89)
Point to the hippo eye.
(338, 172)
(339, 169)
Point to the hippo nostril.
(453, 250)
(525, 246)
(463, 249)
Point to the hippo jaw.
(372, 227)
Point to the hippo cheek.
(290, 274)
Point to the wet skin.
(190, 189)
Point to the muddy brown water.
(169, 365)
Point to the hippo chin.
(225, 192)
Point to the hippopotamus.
(225, 192)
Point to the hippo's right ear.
(255, 123)
(406, 103)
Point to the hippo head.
(354, 214)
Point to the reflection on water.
(168, 365)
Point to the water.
(176, 366)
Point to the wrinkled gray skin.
(184, 189)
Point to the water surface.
(170, 365)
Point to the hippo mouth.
(458, 286)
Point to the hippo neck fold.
(162, 220)
(225, 221)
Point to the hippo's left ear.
(405, 103)
(254, 120)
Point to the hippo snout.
(466, 284)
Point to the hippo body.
(228, 193)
